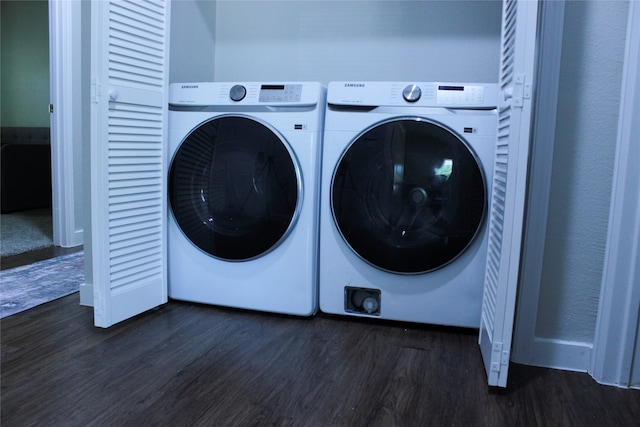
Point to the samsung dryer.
(404, 203)
(243, 194)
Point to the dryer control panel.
(425, 94)
(208, 94)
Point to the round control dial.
(237, 93)
(412, 93)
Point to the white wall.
(586, 131)
(357, 40)
(192, 53)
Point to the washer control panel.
(423, 94)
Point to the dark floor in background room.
(189, 364)
(18, 260)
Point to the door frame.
(528, 348)
(65, 71)
(616, 354)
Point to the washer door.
(408, 196)
(235, 188)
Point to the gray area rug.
(25, 231)
(25, 287)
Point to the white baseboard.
(75, 239)
(86, 295)
(557, 354)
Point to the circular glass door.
(234, 188)
(408, 196)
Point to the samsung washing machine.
(404, 203)
(243, 194)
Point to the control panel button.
(411, 93)
(237, 93)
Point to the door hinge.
(521, 90)
(98, 305)
(499, 357)
(95, 91)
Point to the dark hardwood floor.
(35, 256)
(189, 364)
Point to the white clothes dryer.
(405, 195)
(243, 187)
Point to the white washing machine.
(243, 194)
(404, 203)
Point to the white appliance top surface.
(418, 94)
(281, 94)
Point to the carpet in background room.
(25, 287)
(25, 231)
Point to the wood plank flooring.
(35, 256)
(189, 364)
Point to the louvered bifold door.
(519, 30)
(128, 133)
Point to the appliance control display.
(459, 95)
(280, 93)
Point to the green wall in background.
(24, 89)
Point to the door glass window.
(408, 196)
(234, 188)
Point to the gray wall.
(24, 90)
(586, 131)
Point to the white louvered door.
(128, 124)
(518, 44)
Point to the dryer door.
(408, 196)
(235, 188)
